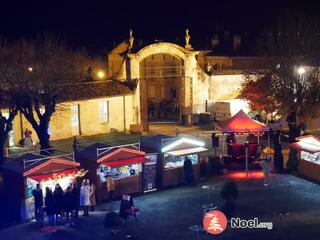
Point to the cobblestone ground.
(291, 203)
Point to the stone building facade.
(173, 81)
(185, 80)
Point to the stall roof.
(112, 155)
(241, 123)
(154, 143)
(184, 152)
(183, 144)
(307, 143)
(34, 164)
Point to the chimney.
(215, 41)
(236, 43)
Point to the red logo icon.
(215, 222)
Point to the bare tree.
(13, 70)
(293, 46)
(54, 68)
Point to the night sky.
(97, 25)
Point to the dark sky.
(98, 24)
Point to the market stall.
(309, 148)
(26, 171)
(172, 153)
(242, 124)
(122, 163)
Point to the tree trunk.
(2, 146)
(294, 132)
(44, 138)
(278, 157)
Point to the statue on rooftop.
(131, 39)
(187, 39)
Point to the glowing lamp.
(101, 74)
(30, 69)
(301, 70)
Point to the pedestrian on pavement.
(75, 144)
(85, 197)
(50, 206)
(58, 201)
(92, 196)
(110, 187)
(188, 171)
(38, 202)
(265, 163)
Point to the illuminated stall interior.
(122, 163)
(309, 148)
(172, 152)
(26, 171)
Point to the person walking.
(38, 202)
(265, 163)
(188, 171)
(110, 187)
(28, 142)
(85, 197)
(50, 207)
(92, 196)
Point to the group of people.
(58, 203)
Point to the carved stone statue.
(187, 38)
(131, 39)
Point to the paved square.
(168, 214)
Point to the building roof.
(96, 89)
(90, 90)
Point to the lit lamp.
(301, 71)
(30, 69)
(101, 74)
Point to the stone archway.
(173, 73)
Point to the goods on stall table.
(118, 172)
(178, 161)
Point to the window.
(75, 126)
(152, 91)
(104, 111)
(173, 93)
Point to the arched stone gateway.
(163, 47)
(161, 69)
(172, 82)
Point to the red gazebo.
(241, 123)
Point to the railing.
(31, 162)
(107, 149)
(163, 71)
